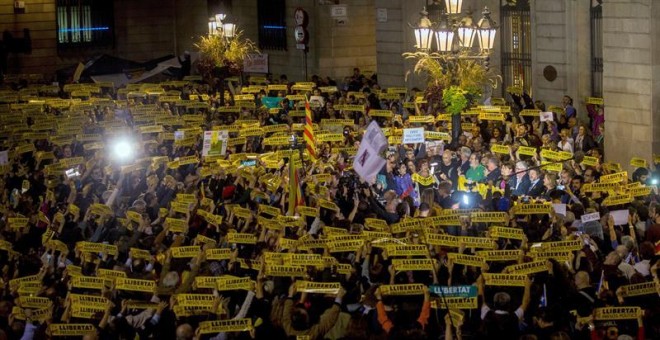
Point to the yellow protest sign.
(466, 260)
(617, 200)
(241, 238)
(506, 232)
(218, 254)
(318, 287)
(638, 162)
(403, 289)
(442, 240)
(526, 268)
(455, 303)
(614, 178)
(526, 150)
(477, 242)
(407, 250)
(136, 285)
(594, 100)
(506, 280)
(413, 265)
(500, 255)
(185, 252)
(532, 208)
(617, 313)
(223, 326)
(286, 271)
(646, 288)
(71, 329)
(489, 217)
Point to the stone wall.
(631, 60)
(335, 48)
(144, 30)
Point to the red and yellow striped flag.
(308, 132)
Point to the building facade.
(552, 48)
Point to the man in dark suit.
(536, 187)
(583, 141)
(494, 172)
(520, 183)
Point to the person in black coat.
(536, 187)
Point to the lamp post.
(455, 34)
(220, 27)
(452, 23)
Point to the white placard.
(4, 157)
(179, 135)
(256, 63)
(339, 11)
(367, 162)
(560, 208)
(590, 217)
(620, 216)
(546, 116)
(412, 136)
(381, 14)
(215, 143)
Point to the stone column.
(631, 79)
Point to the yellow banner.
(345, 246)
(195, 299)
(90, 282)
(306, 260)
(506, 280)
(594, 100)
(357, 108)
(241, 283)
(407, 250)
(71, 329)
(640, 192)
(532, 208)
(500, 255)
(490, 217)
(34, 302)
(380, 113)
(403, 289)
(614, 178)
(573, 245)
(287, 271)
(185, 252)
(646, 288)
(415, 265)
(136, 285)
(442, 240)
(590, 161)
(477, 242)
(601, 187)
(111, 274)
(506, 232)
(318, 287)
(492, 116)
(455, 303)
(617, 313)
(526, 268)
(557, 255)
(466, 260)
(617, 199)
(526, 150)
(222, 326)
(241, 238)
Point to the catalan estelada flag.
(296, 197)
(308, 132)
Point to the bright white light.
(466, 199)
(122, 150)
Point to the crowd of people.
(117, 224)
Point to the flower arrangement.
(220, 52)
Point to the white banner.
(368, 162)
(256, 63)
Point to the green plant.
(219, 51)
(454, 100)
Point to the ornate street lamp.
(466, 32)
(424, 32)
(444, 35)
(453, 6)
(486, 30)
